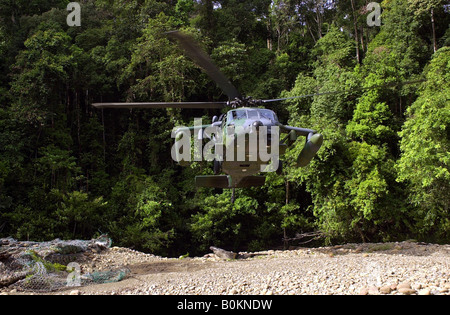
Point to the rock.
(386, 289)
(407, 291)
(74, 292)
(221, 253)
(404, 285)
(374, 291)
(364, 291)
(426, 291)
(233, 291)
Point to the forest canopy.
(68, 170)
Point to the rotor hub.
(244, 102)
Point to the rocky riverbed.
(404, 268)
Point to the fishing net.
(51, 266)
(107, 276)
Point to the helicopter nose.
(257, 124)
(254, 127)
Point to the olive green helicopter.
(240, 138)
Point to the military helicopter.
(258, 128)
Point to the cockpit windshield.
(268, 114)
(254, 113)
(239, 114)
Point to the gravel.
(391, 268)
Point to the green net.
(108, 276)
(51, 266)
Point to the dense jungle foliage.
(68, 170)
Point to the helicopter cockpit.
(252, 114)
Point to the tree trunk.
(209, 15)
(319, 20)
(104, 136)
(269, 35)
(285, 239)
(434, 30)
(355, 25)
(361, 35)
(287, 192)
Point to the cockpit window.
(268, 114)
(251, 114)
(239, 114)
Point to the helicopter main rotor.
(236, 99)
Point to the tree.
(422, 7)
(324, 178)
(183, 10)
(70, 170)
(425, 142)
(78, 215)
(158, 69)
(41, 72)
(221, 223)
(243, 20)
(334, 72)
(231, 57)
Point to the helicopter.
(241, 137)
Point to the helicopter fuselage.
(251, 139)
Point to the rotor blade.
(302, 96)
(345, 91)
(186, 105)
(189, 45)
